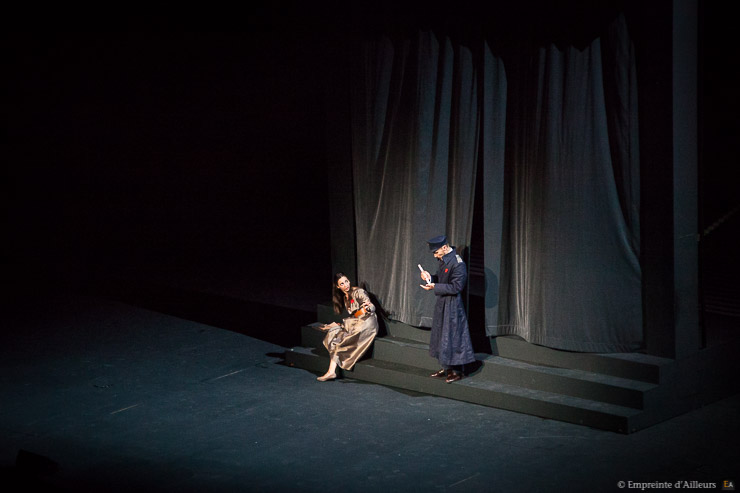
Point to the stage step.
(477, 390)
(578, 396)
(404, 331)
(632, 366)
(622, 392)
(576, 383)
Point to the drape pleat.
(555, 131)
(571, 276)
(493, 155)
(415, 141)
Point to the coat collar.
(449, 257)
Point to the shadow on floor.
(269, 323)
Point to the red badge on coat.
(446, 270)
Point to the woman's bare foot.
(330, 373)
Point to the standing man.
(450, 339)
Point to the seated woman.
(348, 341)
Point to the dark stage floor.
(128, 399)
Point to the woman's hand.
(366, 306)
(329, 326)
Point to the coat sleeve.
(457, 281)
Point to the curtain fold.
(493, 147)
(415, 142)
(571, 274)
(555, 131)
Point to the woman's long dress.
(348, 343)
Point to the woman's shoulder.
(358, 292)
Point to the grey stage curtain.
(570, 273)
(493, 150)
(415, 126)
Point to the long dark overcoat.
(450, 338)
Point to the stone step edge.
(563, 408)
(596, 387)
(520, 346)
(567, 373)
(630, 365)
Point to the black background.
(155, 156)
(199, 159)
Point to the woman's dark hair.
(337, 295)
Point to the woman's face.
(343, 284)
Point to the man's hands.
(428, 278)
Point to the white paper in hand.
(428, 280)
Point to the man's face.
(441, 252)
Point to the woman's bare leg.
(331, 373)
